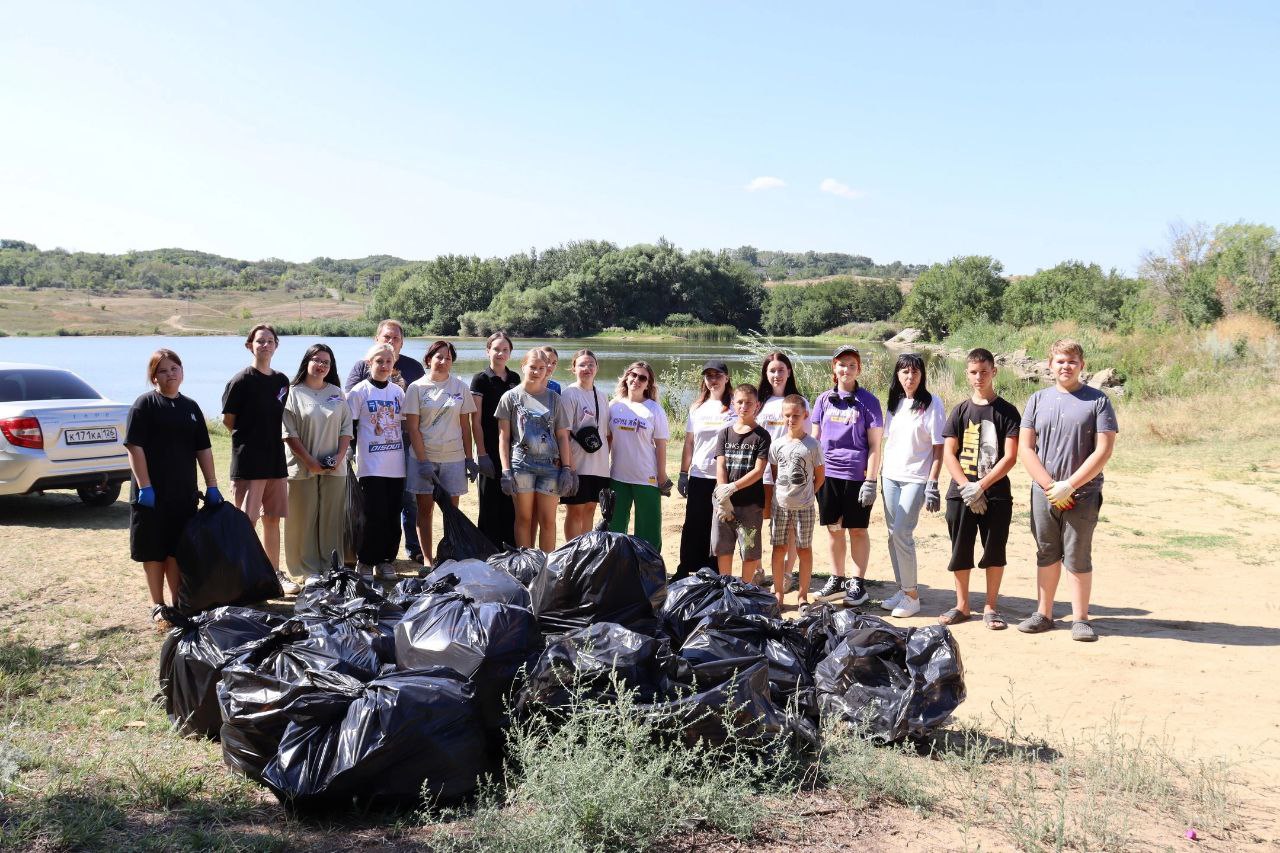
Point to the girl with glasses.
(638, 437)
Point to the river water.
(116, 366)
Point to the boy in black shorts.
(980, 447)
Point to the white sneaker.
(288, 585)
(311, 580)
(892, 601)
(908, 606)
(387, 572)
(365, 571)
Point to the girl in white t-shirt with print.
(377, 407)
(912, 458)
(588, 408)
(709, 413)
(777, 380)
(638, 436)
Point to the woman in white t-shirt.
(377, 407)
(777, 380)
(437, 419)
(909, 473)
(709, 413)
(588, 409)
(638, 436)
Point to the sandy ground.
(1189, 626)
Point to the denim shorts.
(536, 475)
(452, 476)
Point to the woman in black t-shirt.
(497, 518)
(166, 437)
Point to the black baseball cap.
(846, 349)
(716, 364)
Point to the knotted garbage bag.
(600, 577)
(462, 540)
(705, 592)
(192, 657)
(380, 744)
(222, 562)
(481, 581)
(268, 674)
(739, 706)
(892, 682)
(523, 564)
(486, 642)
(724, 641)
(595, 663)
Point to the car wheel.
(103, 495)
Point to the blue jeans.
(902, 503)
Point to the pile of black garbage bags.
(372, 697)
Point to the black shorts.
(965, 526)
(589, 487)
(154, 532)
(838, 502)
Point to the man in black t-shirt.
(407, 371)
(253, 409)
(980, 446)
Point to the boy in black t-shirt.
(980, 446)
(742, 452)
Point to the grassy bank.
(658, 334)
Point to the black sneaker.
(855, 593)
(833, 588)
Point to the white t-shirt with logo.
(770, 418)
(909, 438)
(440, 407)
(635, 429)
(378, 413)
(582, 412)
(704, 424)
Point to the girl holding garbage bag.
(638, 436)
(533, 444)
(912, 459)
(497, 518)
(437, 415)
(377, 407)
(166, 438)
(588, 443)
(848, 424)
(318, 433)
(709, 413)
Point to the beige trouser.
(313, 527)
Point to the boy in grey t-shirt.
(1067, 435)
(796, 464)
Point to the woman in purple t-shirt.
(848, 424)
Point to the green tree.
(961, 290)
(1245, 260)
(1071, 291)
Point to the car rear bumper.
(22, 473)
(76, 481)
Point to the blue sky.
(1032, 132)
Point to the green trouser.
(648, 503)
(314, 525)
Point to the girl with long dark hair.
(709, 413)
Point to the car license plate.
(96, 435)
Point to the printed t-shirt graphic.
(385, 417)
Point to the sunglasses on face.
(640, 376)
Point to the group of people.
(752, 453)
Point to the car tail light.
(22, 432)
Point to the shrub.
(961, 290)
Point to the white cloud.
(831, 185)
(765, 182)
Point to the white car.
(56, 432)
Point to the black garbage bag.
(462, 540)
(595, 662)
(407, 591)
(353, 520)
(824, 626)
(705, 592)
(481, 581)
(486, 642)
(381, 744)
(523, 564)
(888, 685)
(740, 706)
(335, 588)
(192, 657)
(268, 674)
(221, 561)
(373, 621)
(600, 577)
(723, 642)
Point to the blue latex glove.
(508, 482)
(212, 497)
(473, 470)
(485, 465)
(426, 470)
(147, 497)
(867, 494)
